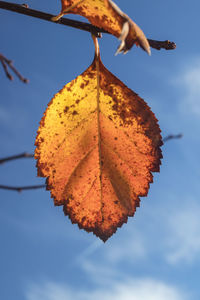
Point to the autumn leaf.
(107, 15)
(97, 144)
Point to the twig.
(8, 63)
(29, 155)
(167, 45)
(47, 17)
(18, 156)
(172, 137)
(22, 188)
(75, 24)
(5, 67)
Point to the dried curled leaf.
(107, 15)
(97, 144)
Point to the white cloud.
(173, 236)
(189, 81)
(183, 242)
(129, 289)
(170, 231)
(129, 246)
(49, 291)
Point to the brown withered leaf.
(107, 15)
(97, 144)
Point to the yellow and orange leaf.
(97, 144)
(107, 15)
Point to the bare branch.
(47, 17)
(22, 188)
(172, 137)
(23, 9)
(8, 63)
(29, 155)
(18, 156)
(5, 67)
(19, 188)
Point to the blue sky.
(156, 255)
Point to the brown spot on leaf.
(66, 109)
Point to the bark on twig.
(22, 9)
(19, 188)
(22, 188)
(18, 156)
(29, 155)
(47, 17)
(172, 137)
(167, 45)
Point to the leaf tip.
(144, 44)
(131, 34)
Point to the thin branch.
(167, 45)
(23, 9)
(47, 17)
(8, 63)
(22, 188)
(172, 137)
(29, 155)
(14, 157)
(5, 67)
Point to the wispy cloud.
(129, 246)
(189, 81)
(130, 289)
(178, 234)
(172, 235)
(183, 243)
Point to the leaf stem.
(96, 45)
(97, 61)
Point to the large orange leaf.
(107, 15)
(97, 144)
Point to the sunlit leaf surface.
(107, 15)
(97, 144)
